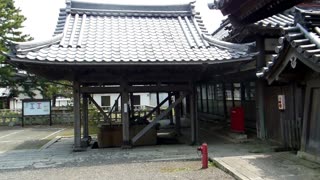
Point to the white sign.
(281, 102)
(34, 108)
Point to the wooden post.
(207, 99)
(243, 93)
(125, 116)
(85, 116)
(158, 101)
(177, 111)
(201, 98)
(170, 112)
(232, 95)
(131, 105)
(225, 109)
(193, 115)
(260, 86)
(76, 112)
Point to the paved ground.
(147, 170)
(252, 160)
(16, 138)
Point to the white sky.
(42, 15)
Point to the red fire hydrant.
(204, 152)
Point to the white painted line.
(12, 141)
(52, 134)
(10, 134)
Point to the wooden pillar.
(85, 116)
(193, 115)
(131, 105)
(170, 113)
(243, 93)
(201, 98)
(232, 95)
(207, 99)
(125, 116)
(225, 109)
(177, 111)
(76, 113)
(158, 101)
(260, 86)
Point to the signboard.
(36, 107)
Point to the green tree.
(52, 90)
(10, 30)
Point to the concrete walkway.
(257, 160)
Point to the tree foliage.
(11, 21)
(10, 30)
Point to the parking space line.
(52, 134)
(10, 134)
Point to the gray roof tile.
(303, 37)
(117, 33)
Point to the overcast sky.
(42, 15)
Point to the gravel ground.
(141, 171)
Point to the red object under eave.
(237, 119)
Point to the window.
(105, 100)
(250, 91)
(237, 91)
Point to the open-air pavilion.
(125, 49)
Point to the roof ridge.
(96, 6)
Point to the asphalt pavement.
(33, 137)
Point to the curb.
(228, 169)
(48, 144)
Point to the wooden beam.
(105, 117)
(100, 90)
(76, 113)
(158, 118)
(169, 88)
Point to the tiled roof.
(249, 11)
(278, 21)
(107, 33)
(303, 38)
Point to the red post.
(204, 152)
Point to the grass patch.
(212, 164)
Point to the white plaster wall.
(16, 103)
(162, 96)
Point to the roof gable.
(303, 42)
